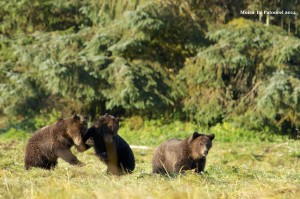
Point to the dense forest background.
(195, 60)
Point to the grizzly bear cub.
(176, 155)
(51, 142)
(111, 148)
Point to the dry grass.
(248, 169)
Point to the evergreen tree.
(232, 75)
(152, 58)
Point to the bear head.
(199, 145)
(77, 126)
(107, 126)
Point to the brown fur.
(51, 142)
(112, 158)
(176, 155)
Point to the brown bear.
(176, 155)
(54, 141)
(111, 148)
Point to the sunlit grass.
(239, 167)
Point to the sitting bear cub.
(176, 155)
(111, 148)
(51, 142)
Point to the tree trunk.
(296, 25)
(289, 25)
(268, 20)
(260, 16)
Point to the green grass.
(241, 164)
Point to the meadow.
(201, 61)
(241, 164)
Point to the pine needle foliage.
(238, 74)
(151, 58)
(36, 15)
(126, 64)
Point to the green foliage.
(239, 74)
(160, 34)
(125, 65)
(14, 134)
(171, 59)
(105, 11)
(135, 123)
(227, 132)
(46, 119)
(154, 132)
(36, 15)
(279, 102)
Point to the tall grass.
(240, 165)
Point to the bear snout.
(205, 152)
(108, 138)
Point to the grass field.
(240, 165)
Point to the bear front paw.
(90, 142)
(81, 164)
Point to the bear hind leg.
(49, 164)
(40, 162)
(45, 163)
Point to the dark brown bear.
(51, 142)
(111, 148)
(176, 155)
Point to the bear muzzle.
(205, 153)
(108, 138)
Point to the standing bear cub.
(111, 148)
(176, 155)
(51, 142)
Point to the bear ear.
(76, 117)
(195, 135)
(211, 136)
(101, 117)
